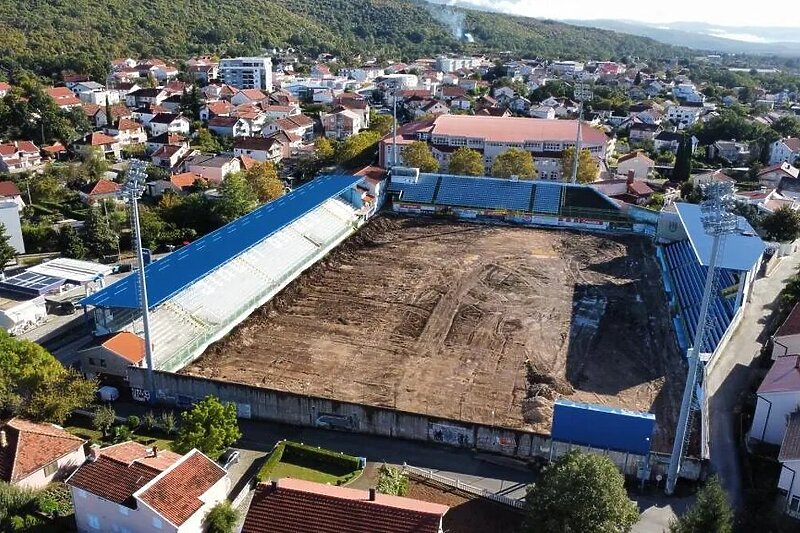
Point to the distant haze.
(716, 14)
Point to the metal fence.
(456, 483)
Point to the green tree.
(382, 124)
(33, 384)
(167, 422)
(466, 162)
(70, 243)
(264, 181)
(109, 115)
(94, 166)
(580, 492)
(357, 150)
(210, 426)
(783, 225)
(98, 236)
(588, 167)
(324, 148)
(47, 188)
(104, 418)
(222, 518)
(711, 512)
(392, 480)
(690, 193)
(152, 227)
(20, 508)
(683, 160)
(514, 162)
(237, 198)
(7, 252)
(207, 142)
(418, 155)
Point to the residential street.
(730, 376)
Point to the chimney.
(274, 484)
(155, 451)
(3, 439)
(631, 174)
(372, 491)
(94, 452)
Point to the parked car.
(229, 458)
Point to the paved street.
(730, 376)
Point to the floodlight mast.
(582, 92)
(718, 222)
(132, 191)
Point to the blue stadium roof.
(740, 251)
(194, 261)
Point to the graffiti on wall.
(449, 434)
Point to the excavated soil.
(478, 323)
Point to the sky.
(780, 13)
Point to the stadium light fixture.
(581, 92)
(718, 222)
(132, 191)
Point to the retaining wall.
(301, 410)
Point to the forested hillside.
(51, 34)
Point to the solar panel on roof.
(31, 284)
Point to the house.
(520, 104)
(503, 94)
(434, 107)
(92, 92)
(297, 505)
(341, 124)
(732, 152)
(635, 162)
(55, 151)
(771, 176)
(641, 132)
(229, 126)
(450, 92)
(169, 123)
(113, 356)
(212, 168)
(626, 189)
(185, 181)
(786, 340)
(784, 150)
(98, 114)
(462, 103)
(18, 156)
(671, 140)
(97, 142)
(63, 97)
(9, 192)
(789, 457)
(169, 156)
(277, 112)
(131, 487)
(33, 454)
(98, 191)
(219, 108)
(683, 116)
(259, 148)
(542, 111)
(248, 96)
(708, 177)
(165, 139)
(145, 97)
(173, 103)
(299, 125)
(127, 132)
(766, 200)
(777, 398)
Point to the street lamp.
(718, 222)
(132, 191)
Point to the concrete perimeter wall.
(296, 409)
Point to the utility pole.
(582, 92)
(132, 191)
(718, 222)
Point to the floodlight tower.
(718, 222)
(582, 92)
(394, 126)
(132, 191)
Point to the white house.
(789, 457)
(259, 148)
(129, 487)
(683, 116)
(776, 399)
(10, 218)
(229, 126)
(787, 150)
(169, 123)
(635, 162)
(213, 168)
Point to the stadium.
(421, 311)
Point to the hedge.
(335, 463)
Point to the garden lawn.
(303, 472)
(93, 435)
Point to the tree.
(104, 418)
(7, 252)
(237, 198)
(210, 426)
(109, 115)
(152, 227)
(683, 160)
(588, 168)
(167, 422)
(264, 181)
(70, 243)
(690, 193)
(514, 162)
(358, 149)
(392, 480)
(418, 155)
(21, 508)
(638, 79)
(98, 236)
(783, 225)
(324, 148)
(382, 124)
(35, 385)
(711, 512)
(580, 492)
(466, 162)
(222, 518)
(207, 142)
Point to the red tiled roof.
(55, 148)
(111, 479)
(103, 187)
(253, 94)
(793, 143)
(98, 138)
(219, 108)
(790, 326)
(176, 495)
(372, 172)
(63, 96)
(126, 345)
(186, 179)
(247, 162)
(294, 506)
(513, 129)
(8, 189)
(126, 124)
(784, 376)
(634, 155)
(4, 86)
(640, 188)
(31, 446)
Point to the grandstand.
(507, 200)
(200, 292)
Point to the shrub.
(222, 518)
(272, 461)
(392, 480)
(167, 422)
(121, 434)
(149, 420)
(134, 422)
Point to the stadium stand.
(459, 190)
(204, 289)
(547, 198)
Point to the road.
(731, 375)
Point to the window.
(51, 469)
(156, 522)
(122, 510)
(94, 521)
(794, 505)
(103, 363)
(91, 361)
